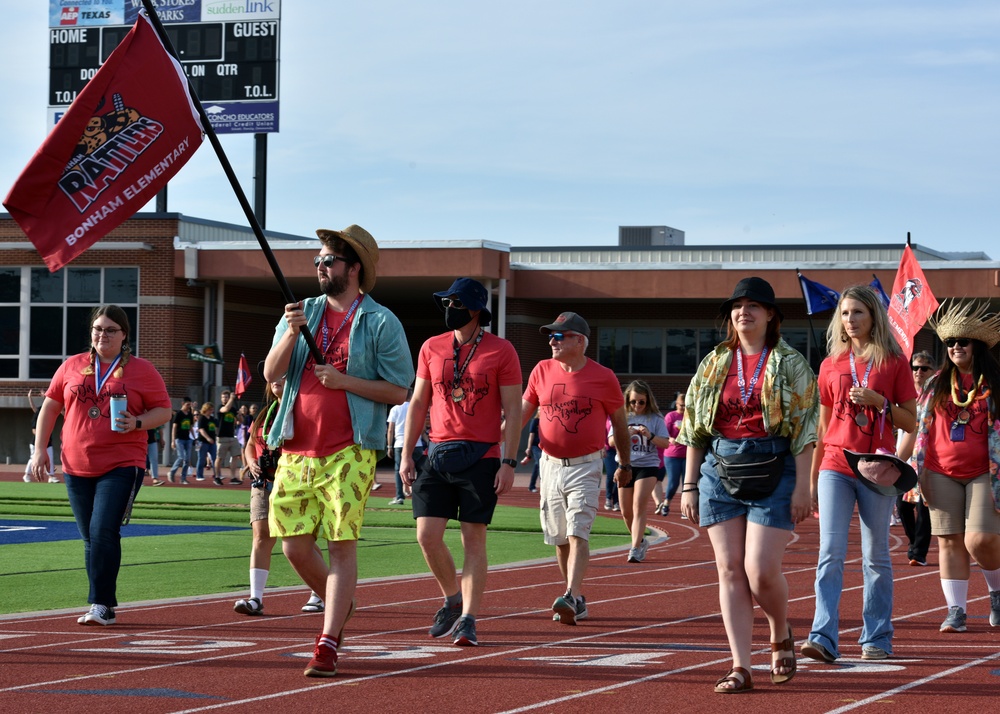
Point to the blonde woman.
(866, 390)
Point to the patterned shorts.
(322, 496)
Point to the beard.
(333, 286)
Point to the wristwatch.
(625, 467)
(509, 462)
(138, 424)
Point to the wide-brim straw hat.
(364, 245)
(972, 320)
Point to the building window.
(54, 309)
(654, 350)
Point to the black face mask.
(455, 319)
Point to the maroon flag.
(126, 134)
(243, 377)
(911, 302)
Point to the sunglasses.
(560, 336)
(961, 342)
(327, 260)
(453, 302)
(921, 368)
(636, 401)
(109, 331)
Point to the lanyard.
(854, 372)
(745, 394)
(99, 379)
(457, 392)
(268, 421)
(327, 339)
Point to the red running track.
(653, 642)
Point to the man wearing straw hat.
(331, 423)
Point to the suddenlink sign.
(228, 8)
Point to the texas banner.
(911, 302)
(131, 128)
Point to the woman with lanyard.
(103, 447)
(647, 433)
(752, 401)
(958, 456)
(260, 464)
(866, 391)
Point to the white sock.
(956, 592)
(992, 579)
(258, 579)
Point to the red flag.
(243, 377)
(131, 128)
(911, 303)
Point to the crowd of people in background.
(756, 444)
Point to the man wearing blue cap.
(469, 380)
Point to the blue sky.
(554, 122)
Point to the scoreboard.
(231, 58)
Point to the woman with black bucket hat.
(958, 456)
(750, 426)
(866, 392)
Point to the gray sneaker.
(445, 621)
(955, 622)
(565, 609)
(465, 633)
(873, 652)
(995, 608)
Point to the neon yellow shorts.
(322, 496)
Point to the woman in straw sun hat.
(958, 453)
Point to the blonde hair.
(642, 388)
(882, 344)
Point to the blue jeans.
(610, 466)
(183, 460)
(206, 454)
(675, 472)
(837, 495)
(536, 458)
(98, 505)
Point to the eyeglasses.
(637, 401)
(328, 260)
(560, 336)
(453, 302)
(109, 331)
(961, 342)
(921, 368)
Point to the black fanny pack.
(455, 456)
(750, 476)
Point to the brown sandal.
(740, 680)
(788, 663)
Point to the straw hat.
(956, 319)
(364, 245)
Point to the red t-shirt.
(89, 446)
(477, 417)
(573, 407)
(959, 459)
(893, 380)
(322, 417)
(733, 419)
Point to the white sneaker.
(98, 615)
(54, 479)
(27, 478)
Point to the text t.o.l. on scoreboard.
(228, 48)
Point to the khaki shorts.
(959, 505)
(229, 449)
(322, 496)
(259, 498)
(569, 498)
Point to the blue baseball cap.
(472, 294)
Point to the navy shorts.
(468, 496)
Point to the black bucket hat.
(756, 289)
(875, 471)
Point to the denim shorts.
(715, 505)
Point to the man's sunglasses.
(453, 302)
(961, 341)
(327, 260)
(560, 336)
(921, 368)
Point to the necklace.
(976, 393)
(861, 419)
(457, 392)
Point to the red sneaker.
(324, 660)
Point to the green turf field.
(39, 576)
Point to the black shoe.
(445, 621)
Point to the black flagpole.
(812, 327)
(286, 291)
